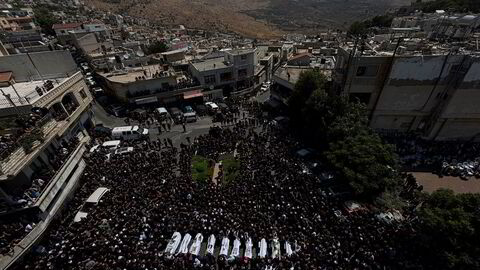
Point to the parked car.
(98, 91)
(162, 112)
(90, 203)
(223, 107)
(201, 109)
(176, 114)
(212, 108)
(188, 109)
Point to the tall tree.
(449, 233)
(45, 19)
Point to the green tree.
(357, 29)
(449, 230)
(303, 104)
(364, 162)
(157, 47)
(45, 19)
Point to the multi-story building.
(234, 73)
(44, 110)
(62, 31)
(150, 84)
(286, 76)
(415, 86)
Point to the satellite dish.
(126, 56)
(140, 53)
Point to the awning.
(141, 101)
(192, 94)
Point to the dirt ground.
(432, 182)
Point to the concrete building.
(62, 31)
(153, 84)
(53, 102)
(287, 75)
(430, 90)
(233, 73)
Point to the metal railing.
(5, 153)
(52, 94)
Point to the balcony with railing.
(24, 229)
(17, 151)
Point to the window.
(367, 71)
(243, 57)
(210, 79)
(82, 94)
(227, 76)
(242, 72)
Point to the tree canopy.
(359, 28)
(338, 127)
(45, 18)
(450, 230)
(157, 47)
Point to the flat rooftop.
(211, 64)
(240, 51)
(295, 72)
(130, 74)
(26, 91)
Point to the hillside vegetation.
(252, 18)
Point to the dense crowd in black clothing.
(152, 195)
(14, 228)
(417, 154)
(22, 125)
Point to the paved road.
(177, 135)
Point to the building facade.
(41, 158)
(429, 94)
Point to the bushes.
(202, 169)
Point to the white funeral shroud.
(275, 248)
(211, 244)
(225, 245)
(197, 243)
(248, 248)
(263, 248)
(173, 243)
(288, 249)
(236, 248)
(184, 245)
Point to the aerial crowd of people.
(152, 196)
(441, 157)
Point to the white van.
(108, 145)
(91, 202)
(129, 133)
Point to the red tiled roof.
(5, 76)
(66, 25)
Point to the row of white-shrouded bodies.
(177, 245)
